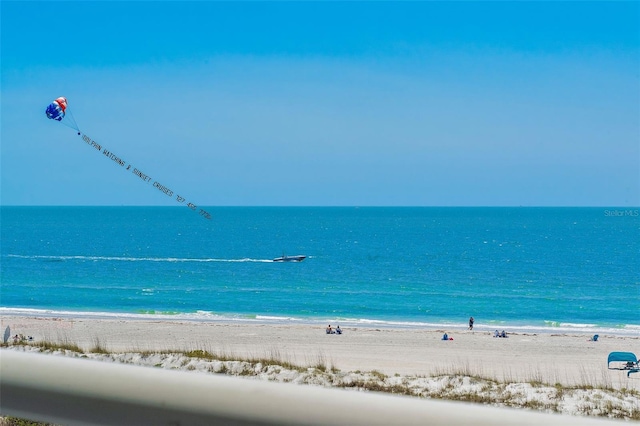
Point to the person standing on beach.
(471, 323)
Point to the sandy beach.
(568, 359)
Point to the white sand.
(547, 358)
(418, 362)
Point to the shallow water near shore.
(524, 269)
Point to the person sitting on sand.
(329, 330)
(338, 330)
(445, 336)
(503, 334)
(496, 334)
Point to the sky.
(322, 103)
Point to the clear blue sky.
(331, 103)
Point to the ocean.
(554, 270)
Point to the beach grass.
(14, 421)
(98, 347)
(459, 382)
(62, 346)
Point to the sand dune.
(415, 359)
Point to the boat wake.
(134, 259)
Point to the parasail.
(57, 108)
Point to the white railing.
(73, 391)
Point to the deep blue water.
(526, 268)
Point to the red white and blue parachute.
(56, 109)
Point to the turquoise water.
(543, 269)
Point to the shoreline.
(629, 330)
(568, 359)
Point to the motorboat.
(283, 258)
